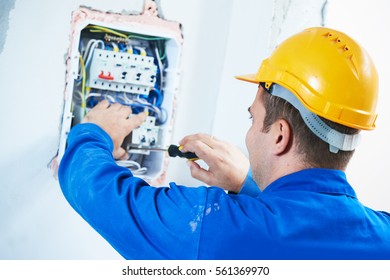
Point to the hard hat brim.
(248, 78)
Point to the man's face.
(257, 141)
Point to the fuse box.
(133, 60)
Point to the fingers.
(202, 150)
(199, 173)
(205, 138)
(137, 120)
(204, 146)
(120, 154)
(115, 119)
(227, 165)
(127, 122)
(125, 111)
(104, 104)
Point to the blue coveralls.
(311, 214)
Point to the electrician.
(316, 91)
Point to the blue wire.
(159, 97)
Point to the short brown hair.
(314, 150)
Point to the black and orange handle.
(175, 151)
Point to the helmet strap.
(336, 140)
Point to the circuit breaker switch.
(106, 77)
(147, 134)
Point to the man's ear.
(282, 137)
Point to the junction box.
(133, 60)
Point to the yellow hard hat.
(330, 74)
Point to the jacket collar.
(313, 180)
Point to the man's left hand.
(115, 119)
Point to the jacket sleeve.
(138, 220)
(250, 187)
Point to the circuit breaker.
(133, 60)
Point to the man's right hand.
(228, 166)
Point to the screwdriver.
(173, 151)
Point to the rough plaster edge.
(6, 9)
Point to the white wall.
(205, 40)
(255, 30)
(35, 221)
(222, 38)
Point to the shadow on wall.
(5, 8)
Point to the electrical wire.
(77, 92)
(115, 47)
(105, 96)
(154, 92)
(146, 38)
(133, 166)
(141, 50)
(161, 47)
(155, 109)
(84, 55)
(139, 103)
(160, 67)
(87, 48)
(91, 49)
(95, 28)
(83, 103)
(140, 171)
(128, 163)
(163, 117)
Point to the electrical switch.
(105, 77)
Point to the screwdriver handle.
(175, 151)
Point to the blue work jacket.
(311, 214)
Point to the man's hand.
(228, 166)
(116, 121)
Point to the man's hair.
(315, 151)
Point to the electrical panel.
(132, 60)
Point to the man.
(316, 91)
